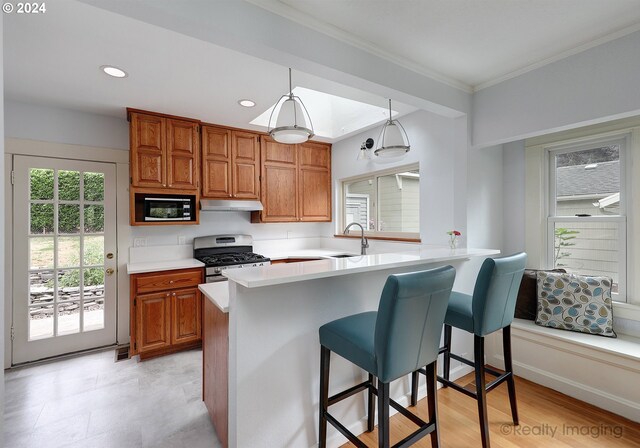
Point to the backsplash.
(217, 223)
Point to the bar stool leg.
(383, 414)
(508, 367)
(325, 357)
(432, 402)
(447, 354)
(414, 388)
(371, 405)
(481, 389)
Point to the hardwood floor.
(547, 419)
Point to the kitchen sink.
(342, 256)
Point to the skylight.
(333, 116)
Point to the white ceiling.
(468, 43)
(54, 59)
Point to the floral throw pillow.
(575, 302)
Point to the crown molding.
(308, 21)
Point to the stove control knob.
(217, 270)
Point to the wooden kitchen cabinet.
(296, 182)
(166, 312)
(163, 151)
(314, 182)
(230, 163)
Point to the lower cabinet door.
(153, 321)
(186, 315)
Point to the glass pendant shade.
(393, 141)
(293, 124)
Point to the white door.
(64, 284)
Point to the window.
(587, 225)
(385, 203)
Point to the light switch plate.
(139, 242)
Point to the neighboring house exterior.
(397, 205)
(592, 189)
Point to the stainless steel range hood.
(227, 205)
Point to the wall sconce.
(364, 153)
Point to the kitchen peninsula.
(274, 313)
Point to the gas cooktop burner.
(231, 258)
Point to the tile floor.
(93, 402)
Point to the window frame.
(552, 218)
(373, 204)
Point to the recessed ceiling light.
(114, 71)
(246, 103)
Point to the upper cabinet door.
(279, 182)
(148, 161)
(216, 162)
(314, 181)
(246, 165)
(182, 154)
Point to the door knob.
(109, 271)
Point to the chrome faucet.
(364, 242)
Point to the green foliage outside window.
(42, 188)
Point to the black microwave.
(166, 208)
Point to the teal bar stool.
(490, 308)
(403, 335)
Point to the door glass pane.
(94, 280)
(93, 314)
(68, 285)
(41, 218)
(68, 218)
(41, 253)
(41, 184)
(68, 185)
(588, 248)
(94, 218)
(94, 186)
(68, 251)
(40, 322)
(399, 202)
(68, 318)
(93, 250)
(41, 287)
(588, 182)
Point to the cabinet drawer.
(166, 280)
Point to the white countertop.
(217, 293)
(153, 266)
(295, 272)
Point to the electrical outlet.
(139, 242)
(182, 239)
(289, 234)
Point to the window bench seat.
(602, 371)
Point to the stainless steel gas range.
(220, 252)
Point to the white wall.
(433, 145)
(597, 85)
(55, 124)
(484, 198)
(513, 197)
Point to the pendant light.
(293, 123)
(393, 143)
